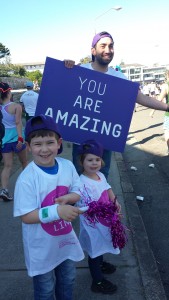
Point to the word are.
(88, 104)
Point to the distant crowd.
(152, 89)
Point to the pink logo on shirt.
(59, 227)
(104, 198)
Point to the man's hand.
(68, 212)
(69, 63)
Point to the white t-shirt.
(29, 100)
(95, 239)
(46, 245)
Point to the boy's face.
(44, 150)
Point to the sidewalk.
(137, 275)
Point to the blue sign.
(87, 104)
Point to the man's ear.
(93, 51)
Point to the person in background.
(102, 51)
(29, 100)
(44, 196)
(156, 95)
(152, 89)
(13, 140)
(2, 133)
(35, 85)
(146, 89)
(96, 238)
(165, 95)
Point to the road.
(146, 146)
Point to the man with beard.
(102, 51)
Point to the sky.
(64, 29)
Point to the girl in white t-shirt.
(95, 236)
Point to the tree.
(22, 71)
(18, 70)
(4, 51)
(85, 60)
(4, 70)
(35, 75)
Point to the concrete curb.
(151, 279)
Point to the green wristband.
(48, 214)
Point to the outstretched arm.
(151, 102)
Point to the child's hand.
(61, 200)
(19, 146)
(68, 212)
(117, 204)
(69, 63)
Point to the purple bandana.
(99, 36)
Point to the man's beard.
(104, 61)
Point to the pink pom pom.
(109, 212)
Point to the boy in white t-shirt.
(43, 198)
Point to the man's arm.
(151, 102)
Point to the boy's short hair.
(40, 124)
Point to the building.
(141, 73)
(30, 67)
